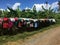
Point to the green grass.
(6, 38)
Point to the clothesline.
(27, 19)
(11, 24)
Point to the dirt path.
(49, 37)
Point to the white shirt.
(12, 19)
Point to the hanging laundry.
(28, 24)
(12, 19)
(1, 20)
(5, 25)
(5, 19)
(36, 25)
(10, 24)
(16, 19)
(25, 23)
(20, 24)
(31, 24)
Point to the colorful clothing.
(31, 25)
(20, 24)
(5, 19)
(1, 20)
(5, 25)
(16, 18)
(36, 25)
(10, 24)
(12, 19)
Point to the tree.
(27, 13)
(12, 13)
(34, 11)
(18, 12)
(48, 12)
(34, 8)
(1, 12)
(5, 13)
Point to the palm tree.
(5, 13)
(48, 12)
(18, 11)
(12, 13)
(34, 11)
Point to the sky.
(26, 3)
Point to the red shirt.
(5, 25)
(10, 24)
(5, 19)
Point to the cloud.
(15, 6)
(54, 5)
(2, 9)
(39, 6)
(27, 8)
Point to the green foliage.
(12, 13)
(48, 12)
(28, 13)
